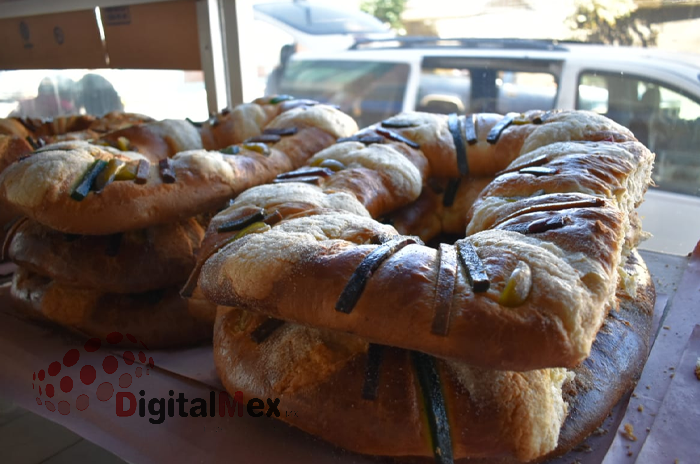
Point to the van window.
(449, 85)
(662, 118)
(367, 90)
(47, 93)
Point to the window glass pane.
(593, 94)
(368, 91)
(452, 85)
(161, 94)
(662, 118)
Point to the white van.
(656, 94)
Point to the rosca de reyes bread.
(484, 348)
(543, 277)
(56, 185)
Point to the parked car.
(654, 93)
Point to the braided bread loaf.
(109, 237)
(42, 186)
(539, 268)
(323, 292)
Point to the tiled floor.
(26, 438)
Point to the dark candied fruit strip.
(195, 124)
(474, 267)
(34, 144)
(166, 171)
(291, 104)
(397, 137)
(497, 130)
(273, 218)
(28, 124)
(333, 165)
(280, 98)
(311, 180)
(230, 150)
(366, 139)
(85, 185)
(143, 171)
(264, 330)
(242, 222)
(357, 282)
(542, 118)
(539, 161)
(587, 203)
(114, 243)
(370, 139)
(448, 198)
(398, 123)
(375, 355)
(380, 239)
(434, 400)
(543, 225)
(282, 131)
(10, 231)
(540, 226)
(454, 126)
(264, 138)
(323, 172)
(539, 171)
(470, 129)
(108, 174)
(444, 289)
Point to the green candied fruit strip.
(258, 148)
(231, 150)
(84, 186)
(128, 172)
(254, 228)
(108, 174)
(123, 143)
(518, 286)
(280, 98)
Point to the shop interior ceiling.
(160, 35)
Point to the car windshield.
(370, 91)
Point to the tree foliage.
(387, 11)
(611, 22)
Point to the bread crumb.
(697, 369)
(640, 408)
(628, 432)
(600, 431)
(630, 453)
(667, 327)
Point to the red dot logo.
(64, 408)
(105, 391)
(114, 338)
(66, 384)
(71, 358)
(54, 368)
(125, 380)
(87, 374)
(92, 345)
(110, 365)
